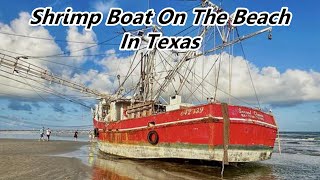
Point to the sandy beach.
(31, 159)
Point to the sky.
(285, 70)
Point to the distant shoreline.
(36, 130)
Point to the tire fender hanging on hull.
(153, 137)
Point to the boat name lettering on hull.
(250, 114)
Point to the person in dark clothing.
(75, 135)
(48, 134)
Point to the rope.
(203, 79)
(217, 80)
(162, 58)
(240, 100)
(180, 75)
(41, 89)
(83, 49)
(278, 135)
(244, 55)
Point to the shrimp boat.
(154, 118)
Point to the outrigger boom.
(238, 40)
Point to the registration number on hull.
(187, 112)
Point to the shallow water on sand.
(300, 159)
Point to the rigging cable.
(82, 49)
(218, 76)
(58, 63)
(161, 58)
(187, 68)
(128, 74)
(240, 100)
(245, 58)
(230, 66)
(190, 90)
(213, 65)
(47, 39)
(178, 73)
(41, 89)
(67, 95)
(45, 100)
(58, 94)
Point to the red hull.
(199, 128)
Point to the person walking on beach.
(48, 134)
(90, 136)
(41, 134)
(75, 135)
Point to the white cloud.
(104, 6)
(273, 87)
(106, 81)
(94, 79)
(78, 49)
(37, 47)
(25, 46)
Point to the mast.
(188, 54)
(224, 33)
(142, 77)
(148, 72)
(147, 75)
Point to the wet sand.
(31, 159)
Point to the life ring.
(153, 137)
